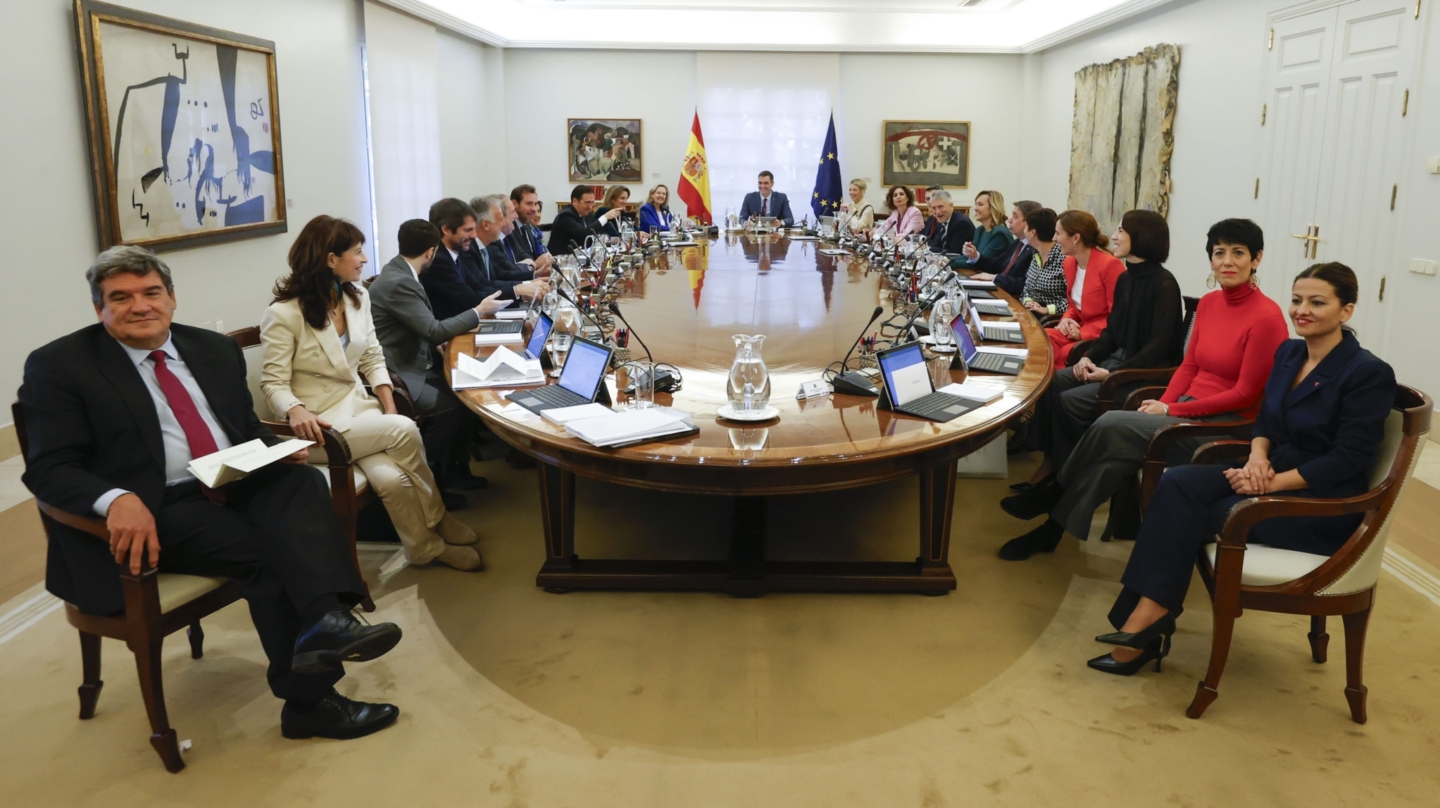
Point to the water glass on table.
(559, 347)
(640, 376)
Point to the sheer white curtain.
(764, 111)
(403, 89)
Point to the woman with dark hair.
(655, 215)
(1322, 420)
(1231, 350)
(992, 237)
(1091, 275)
(1144, 330)
(1044, 291)
(615, 199)
(319, 342)
(904, 218)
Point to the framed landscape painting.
(184, 128)
(923, 153)
(604, 149)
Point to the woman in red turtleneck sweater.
(1230, 355)
(1091, 275)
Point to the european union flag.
(829, 188)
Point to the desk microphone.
(665, 381)
(850, 382)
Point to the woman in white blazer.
(319, 341)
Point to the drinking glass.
(940, 370)
(641, 377)
(559, 347)
(941, 314)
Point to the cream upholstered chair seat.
(176, 590)
(1268, 566)
(362, 483)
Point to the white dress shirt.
(172, 436)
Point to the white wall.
(48, 223)
(1217, 150)
(472, 117)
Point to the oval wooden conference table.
(686, 304)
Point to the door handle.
(1310, 239)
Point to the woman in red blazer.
(1090, 276)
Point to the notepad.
(560, 416)
(986, 393)
(512, 338)
(237, 462)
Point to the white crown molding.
(424, 11)
(1095, 23)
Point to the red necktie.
(1013, 258)
(197, 433)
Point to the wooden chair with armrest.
(350, 490)
(1240, 575)
(157, 604)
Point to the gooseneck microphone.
(666, 379)
(848, 381)
(615, 309)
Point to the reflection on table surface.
(686, 304)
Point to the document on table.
(237, 462)
(504, 368)
(631, 426)
(561, 416)
(986, 393)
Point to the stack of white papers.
(513, 314)
(237, 462)
(977, 284)
(987, 393)
(513, 338)
(631, 426)
(561, 416)
(504, 368)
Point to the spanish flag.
(694, 186)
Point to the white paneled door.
(1337, 81)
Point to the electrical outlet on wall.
(1420, 266)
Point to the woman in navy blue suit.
(655, 216)
(1319, 426)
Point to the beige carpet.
(514, 697)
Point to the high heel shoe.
(1158, 649)
(1141, 639)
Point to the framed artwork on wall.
(923, 153)
(184, 130)
(604, 150)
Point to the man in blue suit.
(767, 203)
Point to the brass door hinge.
(1382, 288)
(1257, 187)
(1404, 106)
(1394, 191)
(1265, 109)
(1417, 9)
(1271, 44)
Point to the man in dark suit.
(946, 230)
(526, 242)
(767, 202)
(576, 223)
(1010, 269)
(408, 332)
(456, 279)
(498, 261)
(114, 413)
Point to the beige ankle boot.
(454, 531)
(465, 559)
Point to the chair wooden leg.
(152, 688)
(196, 636)
(1319, 640)
(90, 670)
(1209, 688)
(1355, 690)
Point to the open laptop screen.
(536, 346)
(964, 339)
(584, 369)
(906, 375)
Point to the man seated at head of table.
(947, 230)
(767, 202)
(575, 224)
(526, 241)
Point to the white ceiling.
(991, 26)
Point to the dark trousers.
(1187, 513)
(442, 417)
(278, 535)
(1062, 415)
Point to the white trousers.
(388, 449)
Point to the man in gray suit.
(408, 332)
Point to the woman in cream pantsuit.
(319, 340)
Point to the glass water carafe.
(749, 383)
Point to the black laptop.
(979, 358)
(579, 383)
(908, 387)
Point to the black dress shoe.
(1158, 649)
(338, 638)
(1164, 627)
(1043, 539)
(454, 501)
(462, 480)
(1025, 486)
(1032, 503)
(337, 717)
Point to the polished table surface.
(686, 304)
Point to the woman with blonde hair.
(319, 340)
(860, 215)
(655, 215)
(992, 237)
